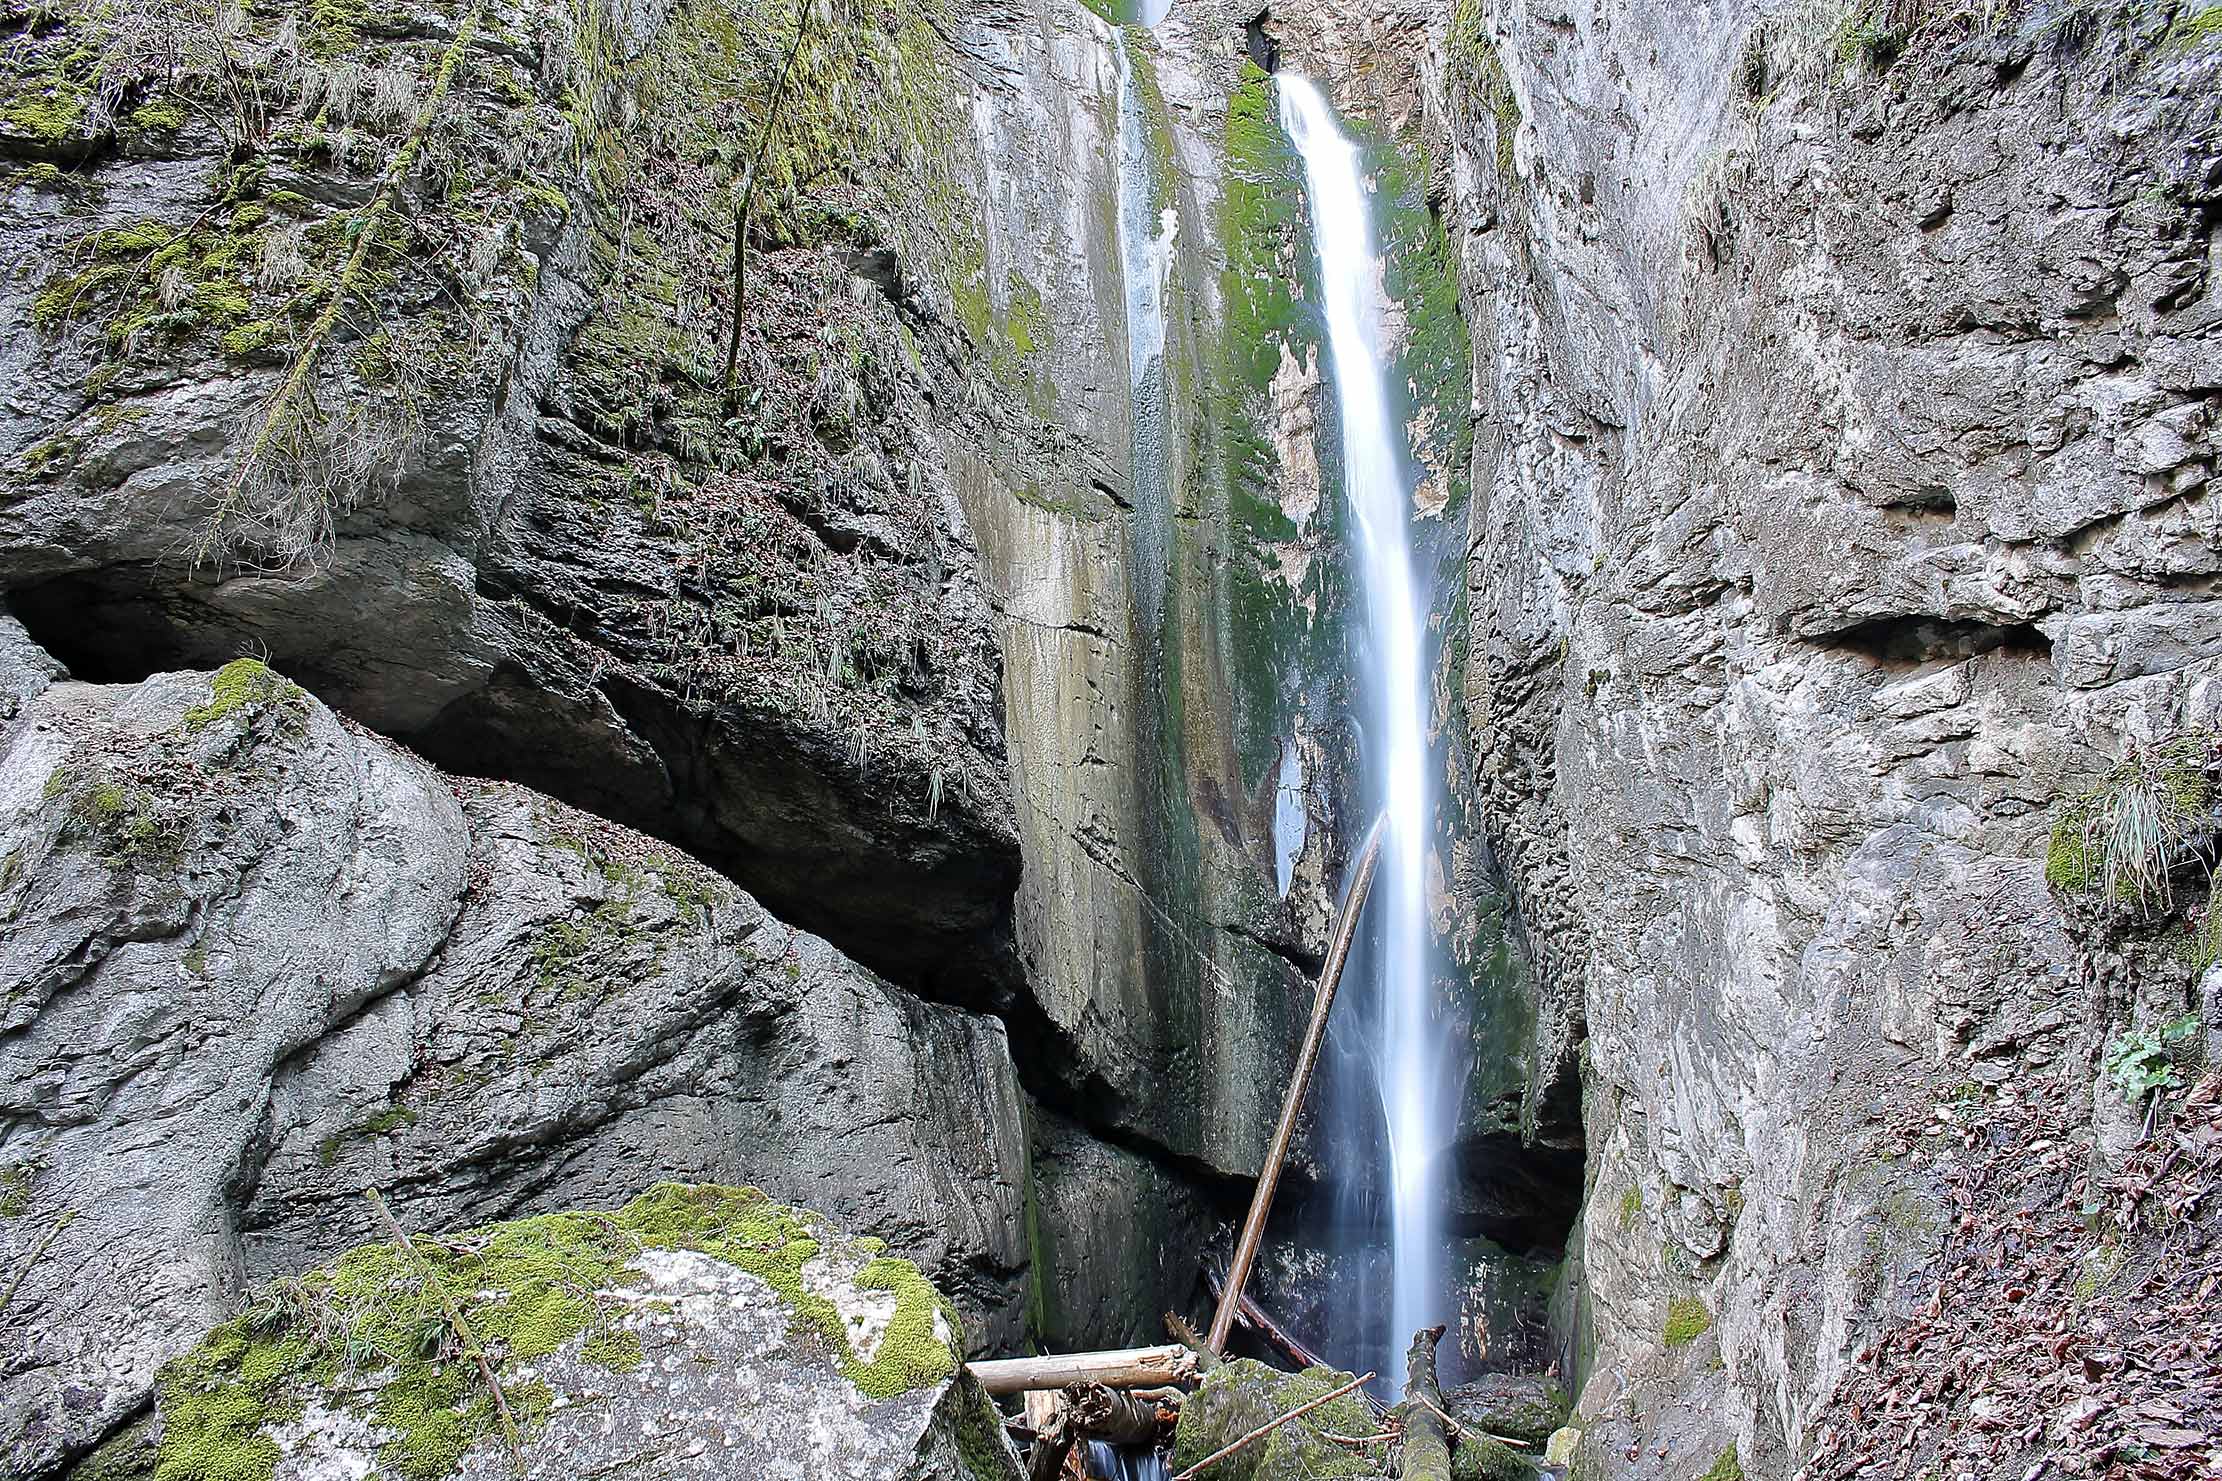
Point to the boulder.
(1516, 1406)
(698, 1331)
(1235, 1398)
(255, 960)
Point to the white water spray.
(1408, 1057)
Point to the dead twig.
(455, 1319)
(1468, 1430)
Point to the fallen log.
(1426, 1442)
(1053, 1436)
(1299, 1080)
(1131, 1367)
(1114, 1416)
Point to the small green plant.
(1864, 41)
(2128, 835)
(1726, 1466)
(1686, 1321)
(2142, 1061)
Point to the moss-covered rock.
(1240, 1396)
(706, 1326)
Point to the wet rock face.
(699, 1330)
(1847, 399)
(819, 621)
(257, 960)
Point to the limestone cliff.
(1845, 383)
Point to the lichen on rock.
(359, 1362)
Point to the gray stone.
(696, 1332)
(258, 960)
(1528, 1407)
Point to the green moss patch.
(1686, 1321)
(1240, 1396)
(370, 1331)
(244, 685)
(1725, 1467)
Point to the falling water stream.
(1407, 1050)
(1406, 1067)
(1146, 236)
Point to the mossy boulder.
(1237, 1397)
(1518, 1406)
(699, 1330)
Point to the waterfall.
(1145, 257)
(1407, 1058)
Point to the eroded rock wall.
(400, 351)
(1845, 384)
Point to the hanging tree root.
(1426, 1442)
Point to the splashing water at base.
(1125, 1462)
(1407, 1054)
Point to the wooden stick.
(1468, 1430)
(1268, 1428)
(1053, 1439)
(1193, 1340)
(1132, 1367)
(455, 1319)
(1261, 1202)
(1259, 1320)
(1255, 1317)
(1426, 1442)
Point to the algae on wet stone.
(368, 1331)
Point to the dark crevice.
(1915, 639)
(924, 901)
(1306, 963)
(1258, 41)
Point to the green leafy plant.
(2141, 1061)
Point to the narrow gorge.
(691, 691)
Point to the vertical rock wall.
(1846, 381)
